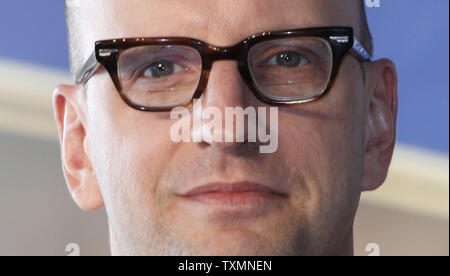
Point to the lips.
(237, 194)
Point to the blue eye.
(287, 59)
(162, 68)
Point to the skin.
(329, 150)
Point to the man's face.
(318, 167)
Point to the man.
(225, 198)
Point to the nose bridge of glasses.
(216, 53)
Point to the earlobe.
(381, 122)
(69, 107)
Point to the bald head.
(77, 18)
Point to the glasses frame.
(107, 52)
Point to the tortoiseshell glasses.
(282, 67)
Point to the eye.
(162, 68)
(287, 59)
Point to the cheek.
(137, 148)
(129, 147)
(325, 140)
(131, 153)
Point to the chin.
(238, 242)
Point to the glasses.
(282, 67)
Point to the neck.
(345, 248)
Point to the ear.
(69, 107)
(382, 105)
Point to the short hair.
(76, 59)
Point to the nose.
(225, 91)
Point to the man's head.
(329, 150)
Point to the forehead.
(218, 22)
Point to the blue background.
(413, 33)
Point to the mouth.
(234, 195)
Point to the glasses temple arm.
(88, 69)
(360, 51)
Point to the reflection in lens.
(291, 69)
(159, 76)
